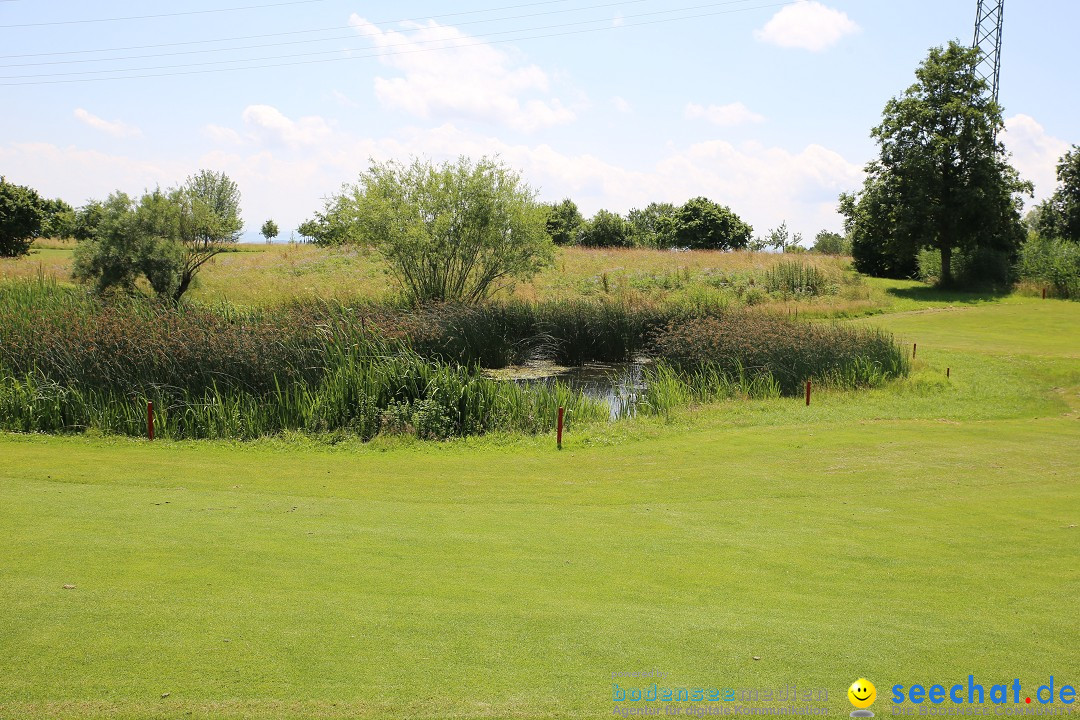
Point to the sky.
(765, 107)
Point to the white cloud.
(268, 123)
(223, 135)
(116, 129)
(723, 115)
(808, 25)
(621, 104)
(285, 166)
(344, 100)
(463, 78)
(78, 175)
(1035, 153)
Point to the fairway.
(916, 533)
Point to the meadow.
(268, 275)
(913, 530)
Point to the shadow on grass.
(927, 293)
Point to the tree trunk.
(185, 280)
(946, 266)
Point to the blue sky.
(762, 106)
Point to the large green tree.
(942, 180)
(452, 232)
(701, 224)
(21, 215)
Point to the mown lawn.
(919, 533)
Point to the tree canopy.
(164, 237)
(653, 226)
(1059, 215)
(269, 230)
(564, 222)
(942, 180)
(606, 229)
(701, 224)
(452, 232)
(22, 213)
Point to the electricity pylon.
(988, 21)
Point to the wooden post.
(947, 371)
(559, 438)
(1044, 293)
(807, 393)
(150, 420)
(914, 347)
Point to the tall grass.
(795, 278)
(748, 343)
(69, 362)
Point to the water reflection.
(619, 385)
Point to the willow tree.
(455, 232)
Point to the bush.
(1054, 262)
(166, 237)
(457, 232)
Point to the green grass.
(916, 533)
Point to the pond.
(619, 385)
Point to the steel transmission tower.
(988, 21)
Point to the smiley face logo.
(862, 693)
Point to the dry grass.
(262, 275)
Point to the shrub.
(1052, 261)
(457, 232)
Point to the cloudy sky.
(762, 106)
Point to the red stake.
(807, 393)
(559, 439)
(150, 420)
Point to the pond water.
(619, 385)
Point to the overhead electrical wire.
(351, 36)
(161, 15)
(381, 53)
(287, 32)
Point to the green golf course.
(916, 533)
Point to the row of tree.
(698, 224)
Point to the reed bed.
(70, 361)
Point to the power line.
(162, 15)
(401, 52)
(280, 34)
(350, 36)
